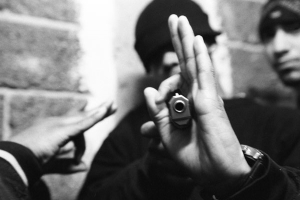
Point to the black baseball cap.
(278, 12)
(152, 32)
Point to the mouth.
(285, 66)
(288, 70)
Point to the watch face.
(252, 152)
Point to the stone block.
(240, 19)
(129, 67)
(2, 118)
(38, 58)
(62, 10)
(25, 109)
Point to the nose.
(170, 64)
(281, 42)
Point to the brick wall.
(39, 66)
(39, 57)
(57, 54)
(252, 75)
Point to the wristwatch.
(256, 160)
(252, 155)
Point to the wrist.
(256, 162)
(27, 160)
(230, 184)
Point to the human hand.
(209, 149)
(161, 164)
(47, 138)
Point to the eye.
(168, 67)
(291, 27)
(267, 34)
(171, 69)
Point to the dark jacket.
(12, 186)
(121, 168)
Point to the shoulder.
(133, 120)
(250, 107)
(127, 132)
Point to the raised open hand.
(47, 137)
(209, 149)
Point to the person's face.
(169, 65)
(282, 42)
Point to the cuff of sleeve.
(267, 181)
(27, 160)
(258, 170)
(273, 182)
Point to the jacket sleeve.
(269, 181)
(275, 183)
(12, 186)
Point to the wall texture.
(57, 54)
(39, 57)
(39, 70)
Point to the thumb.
(155, 105)
(149, 130)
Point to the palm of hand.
(209, 150)
(47, 137)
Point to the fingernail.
(114, 107)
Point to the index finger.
(92, 117)
(79, 143)
(173, 27)
(182, 36)
(205, 70)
